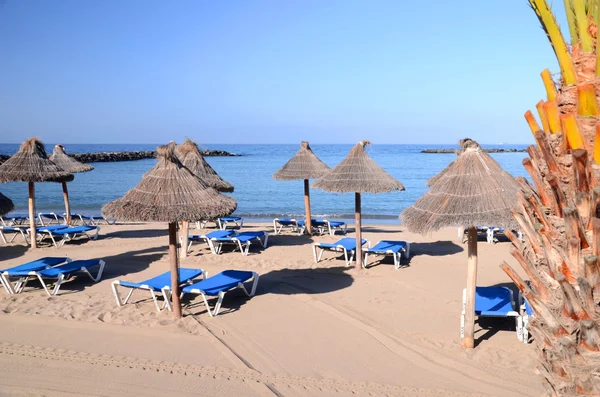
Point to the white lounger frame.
(337, 248)
(294, 227)
(164, 291)
(397, 255)
(517, 316)
(19, 231)
(67, 237)
(50, 221)
(220, 296)
(223, 225)
(20, 286)
(216, 247)
(331, 229)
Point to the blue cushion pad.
(36, 265)
(223, 281)
(76, 229)
(50, 228)
(230, 219)
(70, 267)
(164, 280)
(348, 243)
(388, 245)
(493, 301)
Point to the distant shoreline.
(447, 151)
(103, 157)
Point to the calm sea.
(258, 195)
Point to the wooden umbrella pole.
(184, 232)
(307, 206)
(32, 230)
(468, 341)
(357, 221)
(67, 204)
(174, 260)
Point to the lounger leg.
(519, 325)
(59, 281)
(348, 262)
(247, 248)
(255, 278)
(167, 301)
(264, 243)
(218, 305)
(118, 297)
(397, 260)
(6, 284)
(314, 248)
(365, 260)
(101, 265)
(275, 227)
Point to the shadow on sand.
(12, 252)
(143, 233)
(116, 265)
(282, 282)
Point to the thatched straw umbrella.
(191, 158)
(69, 164)
(472, 191)
(6, 204)
(170, 193)
(358, 173)
(304, 165)
(31, 164)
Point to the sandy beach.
(311, 330)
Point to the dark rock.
(102, 157)
(485, 150)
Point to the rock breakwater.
(103, 157)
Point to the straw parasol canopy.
(6, 204)
(472, 191)
(170, 193)
(31, 164)
(60, 158)
(358, 173)
(190, 156)
(63, 160)
(304, 165)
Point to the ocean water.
(258, 195)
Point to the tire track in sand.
(335, 386)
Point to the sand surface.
(311, 330)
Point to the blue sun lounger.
(293, 224)
(388, 247)
(241, 240)
(39, 264)
(330, 227)
(14, 219)
(15, 231)
(92, 220)
(67, 233)
(59, 273)
(50, 218)
(347, 245)
(157, 285)
(230, 221)
(220, 284)
(493, 302)
(208, 238)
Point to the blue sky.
(270, 71)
